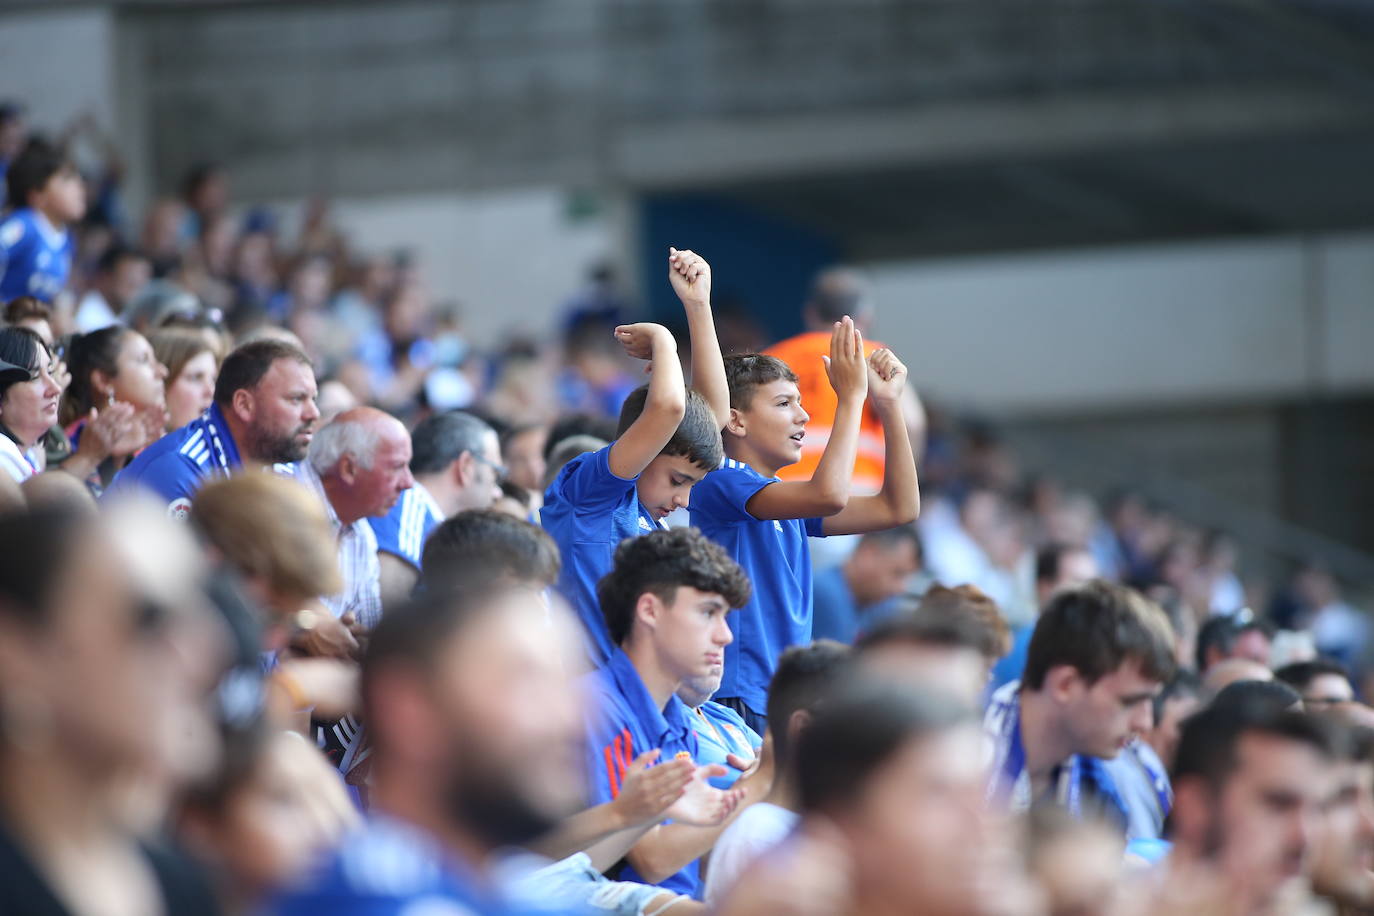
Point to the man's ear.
(1062, 683)
(797, 723)
(347, 468)
(648, 610)
(1191, 811)
(244, 405)
(735, 426)
(464, 469)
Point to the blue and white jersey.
(404, 529)
(389, 868)
(174, 467)
(776, 555)
(35, 256)
(721, 732)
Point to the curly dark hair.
(659, 563)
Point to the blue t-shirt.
(404, 529)
(388, 868)
(35, 256)
(174, 467)
(588, 511)
(1011, 666)
(836, 615)
(721, 732)
(777, 557)
(623, 723)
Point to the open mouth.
(798, 437)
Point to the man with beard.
(1250, 788)
(264, 413)
(476, 747)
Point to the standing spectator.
(864, 588)
(192, 364)
(1099, 654)
(120, 274)
(35, 242)
(264, 413)
(456, 465)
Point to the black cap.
(10, 373)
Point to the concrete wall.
(1146, 325)
(59, 64)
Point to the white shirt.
(13, 461)
(362, 589)
(757, 830)
(94, 313)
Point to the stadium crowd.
(309, 604)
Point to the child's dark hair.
(697, 436)
(745, 372)
(660, 562)
(32, 169)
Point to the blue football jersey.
(35, 256)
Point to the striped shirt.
(403, 530)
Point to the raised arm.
(827, 492)
(665, 405)
(899, 501)
(691, 278)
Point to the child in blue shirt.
(764, 523)
(35, 245)
(668, 439)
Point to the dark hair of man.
(85, 354)
(911, 627)
(35, 547)
(887, 538)
(806, 676)
(746, 372)
(411, 635)
(519, 494)
(1273, 695)
(941, 603)
(858, 732)
(247, 363)
(1095, 628)
(1049, 558)
(441, 439)
(578, 424)
(661, 562)
(1208, 743)
(26, 308)
(486, 545)
(1221, 633)
(1184, 683)
(696, 438)
(116, 253)
(1300, 675)
(32, 169)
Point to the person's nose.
(161, 372)
(1142, 719)
(802, 416)
(312, 411)
(680, 499)
(723, 636)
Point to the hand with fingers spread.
(845, 366)
(640, 340)
(691, 277)
(649, 790)
(702, 804)
(886, 377)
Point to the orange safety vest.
(803, 355)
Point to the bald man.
(359, 464)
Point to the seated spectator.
(864, 588)
(1322, 683)
(1230, 671)
(47, 196)
(1249, 786)
(523, 447)
(722, 735)
(103, 657)
(456, 465)
(1271, 695)
(264, 413)
(28, 400)
(888, 786)
(1057, 567)
(484, 545)
(1237, 636)
(1099, 654)
(475, 731)
(113, 366)
(262, 818)
(806, 678)
(192, 364)
(665, 602)
(120, 275)
(28, 312)
(1343, 857)
(1180, 698)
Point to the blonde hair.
(268, 526)
(175, 347)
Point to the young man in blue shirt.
(764, 523)
(668, 440)
(264, 413)
(35, 245)
(456, 461)
(665, 603)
